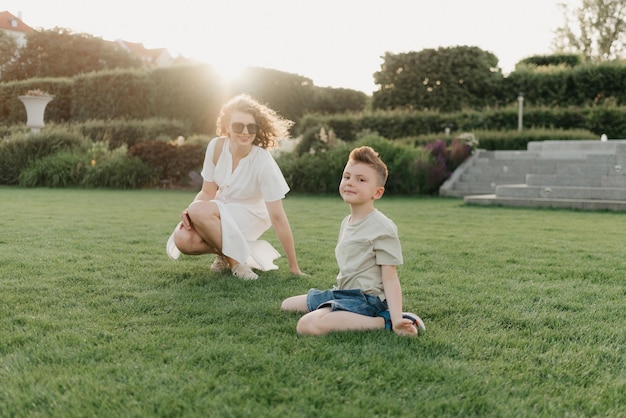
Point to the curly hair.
(272, 126)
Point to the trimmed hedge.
(13, 112)
(507, 140)
(115, 94)
(610, 120)
(131, 131)
(191, 94)
(582, 85)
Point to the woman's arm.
(208, 191)
(283, 231)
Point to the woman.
(241, 195)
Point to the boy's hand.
(405, 328)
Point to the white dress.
(241, 198)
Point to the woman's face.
(242, 128)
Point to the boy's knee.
(307, 326)
(302, 328)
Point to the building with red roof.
(150, 58)
(15, 27)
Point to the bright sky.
(336, 43)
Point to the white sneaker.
(220, 265)
(244, 272)
(172, 251)
(417, 321)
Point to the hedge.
(609, 120)
(191, 94)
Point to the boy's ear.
(379, 192)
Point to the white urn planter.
(35, 108)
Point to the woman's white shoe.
(172, 251)
(244, 272)
(220, 265)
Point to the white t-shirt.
(362, 248)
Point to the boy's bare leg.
(295, 303)
(324, 320)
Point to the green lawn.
(525, 311)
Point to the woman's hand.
(209, 189)
(184, 217)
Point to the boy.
(368, 293)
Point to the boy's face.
(359, 183)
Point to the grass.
(524, 310)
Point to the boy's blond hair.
(368, 156)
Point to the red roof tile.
(12, 23)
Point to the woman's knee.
(183, 240)
(202, 210)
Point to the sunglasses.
(237, 127)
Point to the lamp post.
(520, 111)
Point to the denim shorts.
(351, 300)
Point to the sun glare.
(228, 71)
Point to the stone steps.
(589, 204)
(565, 174)
(556, 192)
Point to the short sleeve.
(208, 168)
(387, 244)
(388, 250)
(272, 182)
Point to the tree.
(445, 79)
(60, 53)
(600, 33)
(8, 51)
(289, 94)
